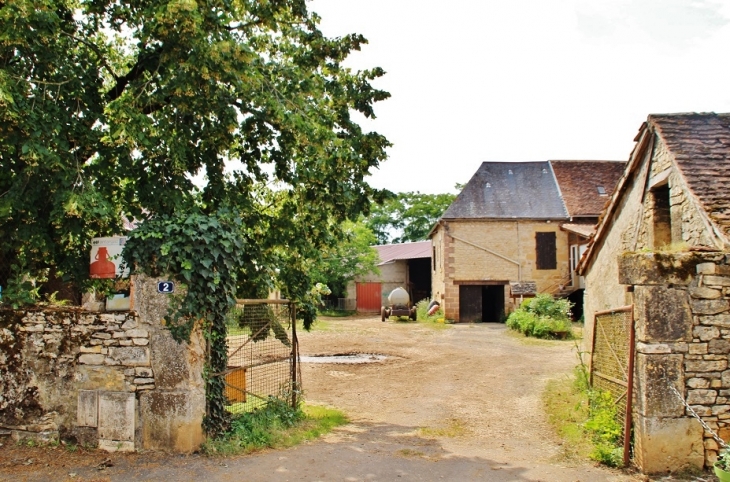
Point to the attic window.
(601, 190)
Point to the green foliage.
(542, 317)
(601, 424)
(110, 109)
(345, 259)
(411, 214)
(208, 255)
(276, 424)
(422, 311)
(21, 289)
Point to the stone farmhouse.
(517, 229)
(661, 250)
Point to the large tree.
(407, 216)
(109, 108)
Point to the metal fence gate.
(612, 363)
(263, 354)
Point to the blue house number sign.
(165, 287)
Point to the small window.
(661, 216)
(545, 249)
(434, 258)
(601, 190)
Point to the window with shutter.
(545, 247)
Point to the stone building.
(661, 246)
(516, 225)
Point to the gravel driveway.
(450, 402)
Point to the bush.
(542, 317)
(422, 311)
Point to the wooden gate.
(612, 363)
(369, 297)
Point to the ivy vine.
(207, 254)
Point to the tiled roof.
(580, 183)
(700, 144)
(585, 230)
(392, 252)
(500, 190)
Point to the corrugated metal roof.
(392, 252)
(509, 190)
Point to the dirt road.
(454, 402)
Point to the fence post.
(294, 353)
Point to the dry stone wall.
(682, 320)
(116, 380)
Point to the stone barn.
(662, 247)
(516, 224)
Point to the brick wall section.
(682, 319)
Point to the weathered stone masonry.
(113, 379)
(682, 320)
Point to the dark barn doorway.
(493, 304)
(419, 275)
(481, 303)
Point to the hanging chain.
(717, 438)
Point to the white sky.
(528, 80)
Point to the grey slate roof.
(508, 190)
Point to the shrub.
(422, 311)
(541, 317)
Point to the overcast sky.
(528, 80)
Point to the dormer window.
(544, 171)
(488, 185)
(510, 171)
(601, 190)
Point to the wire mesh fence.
(262, 354)
(612, 363)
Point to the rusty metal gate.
(263, 354)
(612, 363)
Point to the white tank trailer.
(400, 305)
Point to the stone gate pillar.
(680, 345)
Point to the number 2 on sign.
(165, 287)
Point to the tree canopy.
(109, 108)
(407, 216)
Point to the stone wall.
(682, 320)
(113, 379)
(464, 258)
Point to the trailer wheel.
(383, 313)
(414, 314)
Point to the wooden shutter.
(545, 246)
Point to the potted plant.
(722, 466)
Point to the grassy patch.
(275, 425)
(566, 406)
(410, 453)
(337, 313)
(585, 419)
(454, 428)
